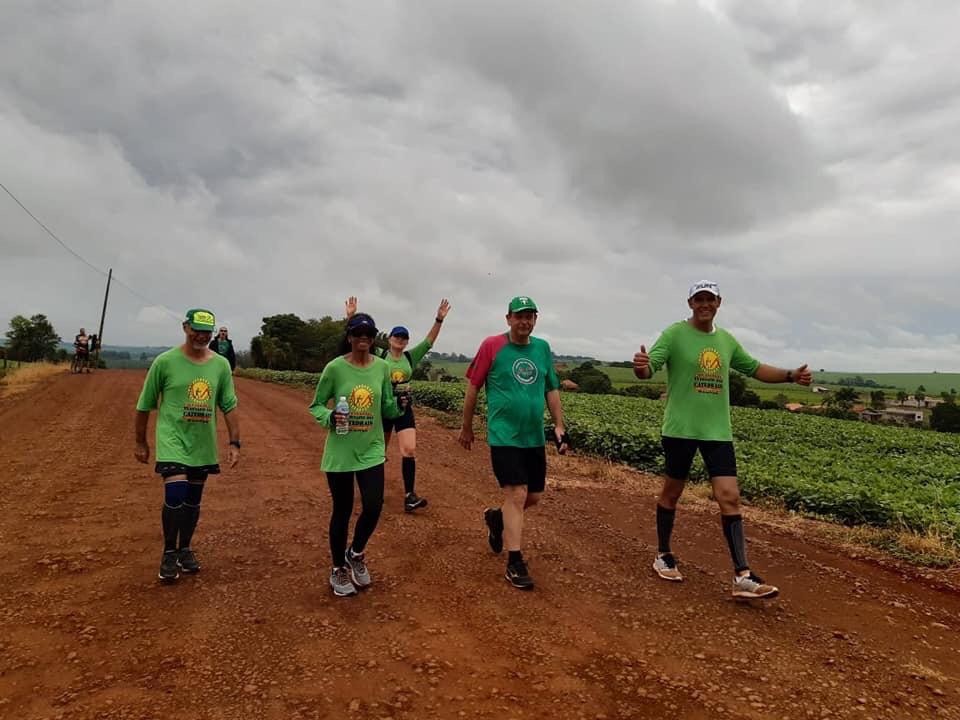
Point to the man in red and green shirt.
(517, 371)
(698, 357)
(188, 383)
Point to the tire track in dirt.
(87, 632)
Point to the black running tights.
(370, 482)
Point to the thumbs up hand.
(641, 364)
(802, 375)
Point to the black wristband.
(789, 375)
(439, 320)
(235, 443)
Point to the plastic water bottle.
(343, 408)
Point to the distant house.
(870, 415)
(927, 402)
(793, 407)
(820, 389)
(903, 415)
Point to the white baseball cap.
(704, 286)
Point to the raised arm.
(350, 307)
(438, 321)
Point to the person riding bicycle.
(81, 350)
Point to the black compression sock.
(408, 468)
(665, 520)
(514, 556)
(170, 520)
(733, 532)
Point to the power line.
(82, 259)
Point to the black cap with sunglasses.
(363, 325)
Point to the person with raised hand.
(402, 362)
(698, 357)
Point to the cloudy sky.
(599, 157)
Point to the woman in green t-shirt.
(354, 447)
(402, 363)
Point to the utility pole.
(103, 314)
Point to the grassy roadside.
(20, 379)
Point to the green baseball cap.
(521, 303)
(202, 320)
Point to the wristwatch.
(439, 320)
(235, 443)
(789, 375)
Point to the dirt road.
(86, 632)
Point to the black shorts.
(193, 472)
(404, 422)
(520, 466)
(718, 456)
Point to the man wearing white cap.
(698, 357)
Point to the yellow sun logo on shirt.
(397, 376)
(710, 360)
(199, 390)
(361, 398)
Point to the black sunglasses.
(364, 332)
(402, 336)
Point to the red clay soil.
(87, 632)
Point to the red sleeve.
(482, 362)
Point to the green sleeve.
(419, 352)
(660, 352)
(322, 396)
(742, 361)
(552, 380)
(152, 386)
(388, 405)
(228, 393)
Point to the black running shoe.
(187, 561)
(412, 501)
(518, 576)
(493, 517)
(169, 568)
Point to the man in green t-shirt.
(188, 383)
(517, 371)
(698, 357)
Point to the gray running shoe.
(340, 582)
(169, 568)
(666, 567)
(187, 561)
(753, 586)
(358, 570)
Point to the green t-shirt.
(698, 379)
(189, 394)
(370, 394)
(223, 346)
(402, 369)
(517, 379)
